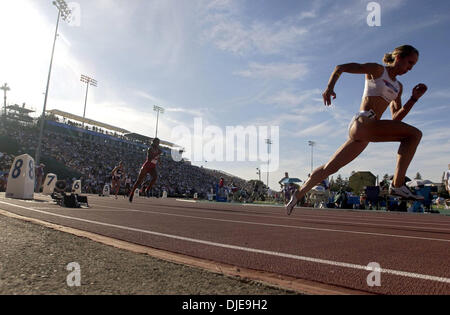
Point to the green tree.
(339, 183)
(332, 183)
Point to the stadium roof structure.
(126, 133)
(87, 121)
(20, 109)
(20, 113)
(148, 140)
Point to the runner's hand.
(419, 90)
(327, 96)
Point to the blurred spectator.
(3, 182)
(39, 172)
(286, 176)
(340, 199)
(447, 179)
(362, 200)
(325, 184)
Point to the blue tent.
(291, 181)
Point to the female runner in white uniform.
(382, 89)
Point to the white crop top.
(383, 86)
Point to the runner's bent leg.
(154, 175)
(138, 183)
(392, 130)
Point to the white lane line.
(324, 214)
(316, 219)
(334, 216)
(277, 225)
(320, 215)
(44, 208)
(386, 219)
(247, 249)
(338, 219)
(189, 201)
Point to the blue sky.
(234, 63)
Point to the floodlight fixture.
(5, 89)
(159, 110)
(89, 81)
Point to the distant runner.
(149, 167)
(116, 176)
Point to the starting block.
(49, 184)
(106, 190)
(76, 187)
(21, 178)
(65, 200)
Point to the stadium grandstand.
(77, 148)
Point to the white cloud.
(275, 71)
(225, 28)
(289, 99)
(440, 93)
(307, 14)
(192, 112)
(438, 135)
(220, 5)
(281, 119)
(149, 97)
(319, 130)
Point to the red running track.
(332, 247)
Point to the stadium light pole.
(258, 171)
(157, 109)
(63, 12)
(5, 89)
(88, 81)
(312, 144)
(269, 143)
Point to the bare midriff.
(375, 103)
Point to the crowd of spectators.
(95, 160)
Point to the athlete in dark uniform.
(149, 167)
